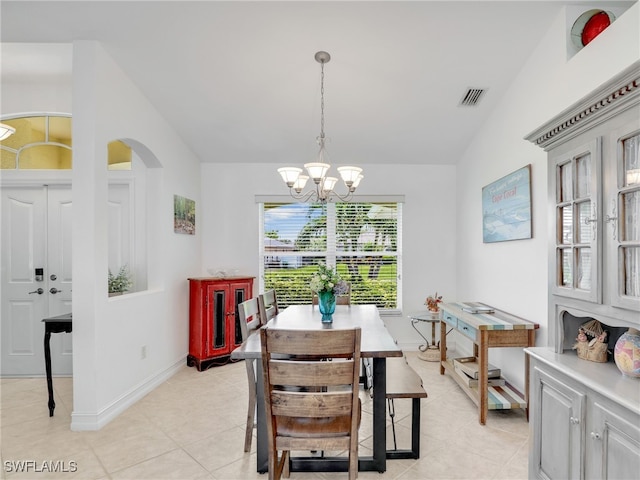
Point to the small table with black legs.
(59, 324)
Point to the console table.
(487, 330)
(59, 324)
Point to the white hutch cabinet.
(585, 416)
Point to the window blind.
(363, 239)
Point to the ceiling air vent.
(472, 97)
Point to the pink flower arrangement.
(432, 302)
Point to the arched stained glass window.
(40, 142)
(119, 156)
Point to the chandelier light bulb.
(298, 186)
(329, 183)
(349, 174)
(290, 175)
(317, 170)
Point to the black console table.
(59, 324)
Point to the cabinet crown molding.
(618, 94)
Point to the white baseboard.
(95, 421)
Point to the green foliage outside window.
(364, 246)
(292, 285)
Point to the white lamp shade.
(317, 170)
(329, 183)
(357, 181)
(6, 131)
(301, 181)
(349, 174)
(289, 175)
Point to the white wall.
(109, 373)
(36, 97)
(513, 275)
(49, 93)
(230, 226)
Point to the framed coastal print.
(506, 207)
(184, 215)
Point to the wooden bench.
(404, 382)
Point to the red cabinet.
(214, 330)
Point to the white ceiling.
(239, 83)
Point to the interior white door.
(36, 234)
(59, 273)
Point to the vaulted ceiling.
(239, 83)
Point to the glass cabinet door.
(623, 222)
(576, 253)
(219, 318)
(240, 295)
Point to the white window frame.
(331, 252)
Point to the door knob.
(39, 291)
(54, 290)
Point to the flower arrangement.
(328, 279)
(121, 282)
(432, 302)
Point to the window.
(43, 142)
(362, 239)
(40, 142)
(118, 156)
(577, 255)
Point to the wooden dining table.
(376, 343)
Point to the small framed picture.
(184, 215)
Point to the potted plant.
(120, 283)
(432, 303)
(327, 283)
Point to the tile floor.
(192, 427)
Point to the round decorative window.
(589, 25)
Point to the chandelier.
(317, 171)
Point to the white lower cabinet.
(558, 430)
(584, 419)
(615, 443)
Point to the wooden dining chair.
(310, 404)
(250, 321)
(268, 304)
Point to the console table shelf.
(499, 397)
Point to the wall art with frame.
(506, 208)
(184, 215)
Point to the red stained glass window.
(594, 27)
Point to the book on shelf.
(473, 382)
(470, 366)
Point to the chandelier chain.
(321, 140)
